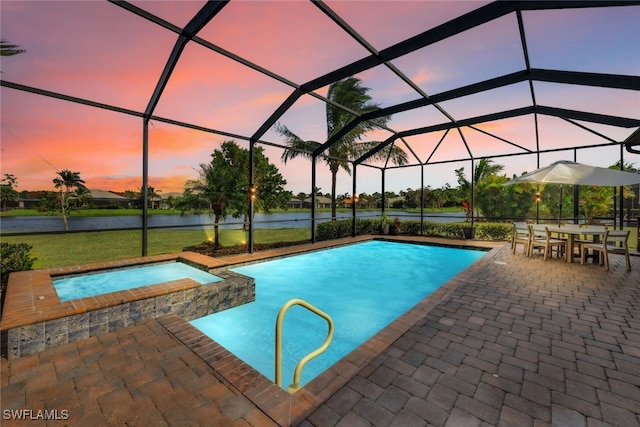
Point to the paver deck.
(513, 342)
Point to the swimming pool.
(90, 284)
(363, 287)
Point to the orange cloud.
(166, 184)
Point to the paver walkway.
(138, 376)
(521, 342)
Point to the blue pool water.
(91, 284)
(363, 287)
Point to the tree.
(8, 193)
(190, 200)
(598, 201)
(48, 201)
(135, 197)
(484, 168)
(170, 200)
(414, 198)
(69, 185)
(224, 184)
(351, 94)
(152, 195)
(496, 200)
(269, 183)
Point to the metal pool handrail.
(296, 375)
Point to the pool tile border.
(289, 409)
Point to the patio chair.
(613, 242)
(587, 238)
(520, 235)
(541, 238)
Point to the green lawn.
(56, 250)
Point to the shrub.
(410, 227)
(365, 226)
(493, 231)
(454, 229)
(14, 257)
(432, 229)
(338, 229)
(484, 230)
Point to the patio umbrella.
(566, 172)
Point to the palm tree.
(351, 94)
(8, 49)
(69, 184)
(222, 184)
(483, 169)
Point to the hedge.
(484, 230)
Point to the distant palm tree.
(351, 94)
(69, 184)
(152, 196)
(483, 169)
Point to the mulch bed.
(211, 250)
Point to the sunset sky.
(98, 51)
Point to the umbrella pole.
(560, 206)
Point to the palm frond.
(296, 146)
(8, 49)
(392, 152)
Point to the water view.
(35, 224)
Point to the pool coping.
(289, 409)
(35, 319)
(36, 300)
(283, 408)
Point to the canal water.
(35, 224)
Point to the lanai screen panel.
(260, 52)
(209, 88)
(603, 40)
(91, 50)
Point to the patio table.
(571, 231)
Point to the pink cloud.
(98, 51)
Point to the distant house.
(321, 203)
(360, 202)
(167, 200)
(107, 198)
(26, 202)
(99, 198)
(295, 204)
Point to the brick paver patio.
(518, 342)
